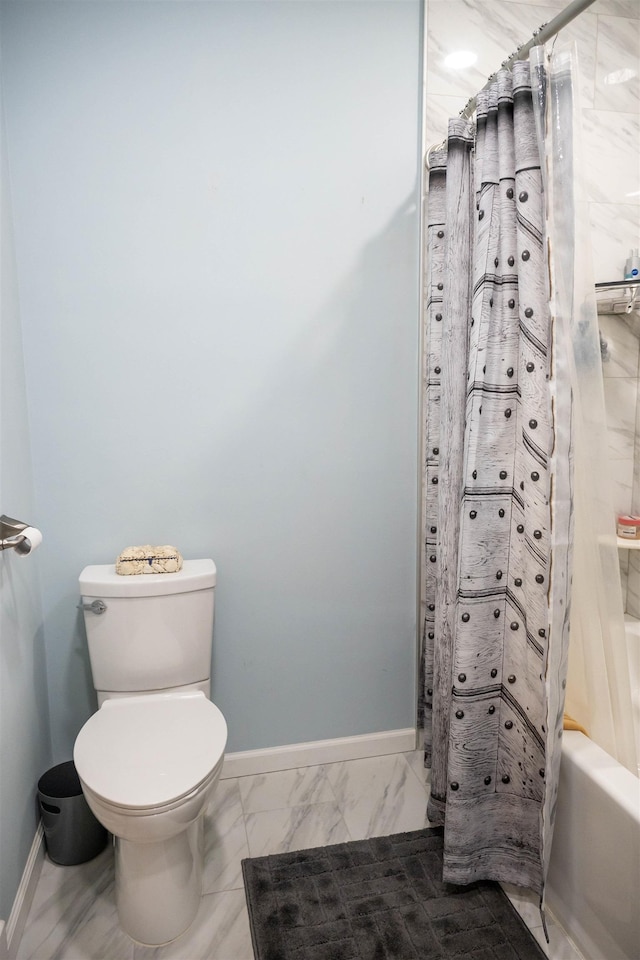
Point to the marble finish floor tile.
(295, 828)
(73, 915)
(415, 759)
(225, 839)
(560, 947)
(379, 796)
(371, 776)
(285, 788)
(526, 902)
(380, 817)
(220, 931)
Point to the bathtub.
(594, 875)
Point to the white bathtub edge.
(612, 778)
(594, 874)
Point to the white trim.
(250, 762)
(24, 896)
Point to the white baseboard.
(250, 762)
(24, 897)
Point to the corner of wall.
(14, 928)
(4, 950)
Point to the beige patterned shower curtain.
(497, 495)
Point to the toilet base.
(159, 885)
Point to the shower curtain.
(497, 493)
(598, 693)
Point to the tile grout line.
(244, 822)
(425, 785)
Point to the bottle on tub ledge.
(628, 527)
(632, 266)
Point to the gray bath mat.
(375, 900)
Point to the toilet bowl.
(148, 760)
(148, 765)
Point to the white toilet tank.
(156, 630)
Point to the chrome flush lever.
(96, 606)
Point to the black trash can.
(71, 831)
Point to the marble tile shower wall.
(608, 40)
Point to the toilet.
(149, 759)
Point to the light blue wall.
(24, 722)
(217, 244)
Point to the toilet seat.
(150, 751)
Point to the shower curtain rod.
(540, 36)
(545, 32)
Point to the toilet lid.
(148, 751)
